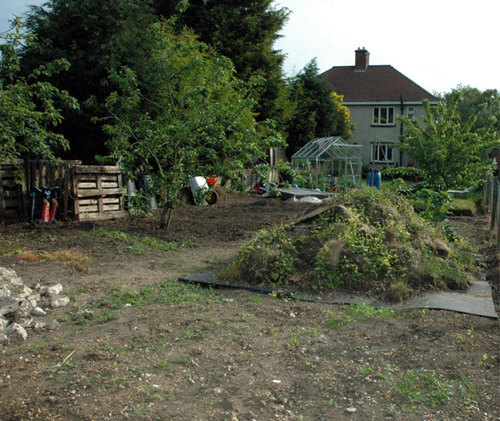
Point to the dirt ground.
(151, 348)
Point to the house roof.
(375, 84)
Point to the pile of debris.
(21, 306)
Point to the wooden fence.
(85, 192)
(492, 204)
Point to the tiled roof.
(377, 83)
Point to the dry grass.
(76, 258)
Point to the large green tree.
(245, 32)
(95, 37)
(196, 119)
(482, 106)
(449, 151)
(30, 108)
(316, 111)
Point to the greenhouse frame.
(329, 162)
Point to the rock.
(8, 305)
(38, 311)
(3, 324)
(16, 333)
(4, 290)
(351, 410)
(322, 339)
(59, 301)
(10, 276)
(39, 326)
(3, 339)
(51, 290)
(83, 314)
(54, 325)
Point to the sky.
(439, 44)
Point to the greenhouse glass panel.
(328, 162)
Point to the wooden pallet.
(98, 192)
(12, 192)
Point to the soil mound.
(366, 241)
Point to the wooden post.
(494, 207)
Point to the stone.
(38, 311)
(59, 301)
(39, 326)
(4, 290)
(8, 305)
(10, 276)
(322, 339)
(16, 333)
(51, 290)
(54, 325)
(3, 339)
(3, 324)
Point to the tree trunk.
(166, 215)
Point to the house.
(375, 95)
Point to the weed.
(354, 312)
(164, 366)
(136, 244)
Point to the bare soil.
(177, 352)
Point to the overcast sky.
(436, 43)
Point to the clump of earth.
(365, 241)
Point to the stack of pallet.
(12, 202)
(98, 192)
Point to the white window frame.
(411, 112)
(381, 153)
(378, 112)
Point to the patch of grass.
(354, 312)
(136, 243)
(164, 366)
(424, 387)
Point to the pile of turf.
(368, 241)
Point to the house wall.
(366, 133)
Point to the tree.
(484, 106)
(198, 117)
(95, 37)
(317, 112)
(244, 31)
(29, 107)
(450, 154)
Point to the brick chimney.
(362, 60)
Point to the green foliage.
(30, 107)
(245, 32)
(196, 117)
(268, 259)
(449, 152)
(136, 243)
(95, 37)
(482, 107)
(354, 312)
(316, 111)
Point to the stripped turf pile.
(367, 241)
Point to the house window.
(382, 153)
(383, 116)
(410, 112)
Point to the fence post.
(494, 205)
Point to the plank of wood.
(105, 192)
(99, 169)
(102, 216)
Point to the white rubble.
(20, 305)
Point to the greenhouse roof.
(327, 149)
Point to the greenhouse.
(328, 162)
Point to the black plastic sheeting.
(477, 300)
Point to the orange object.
(212, 181)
